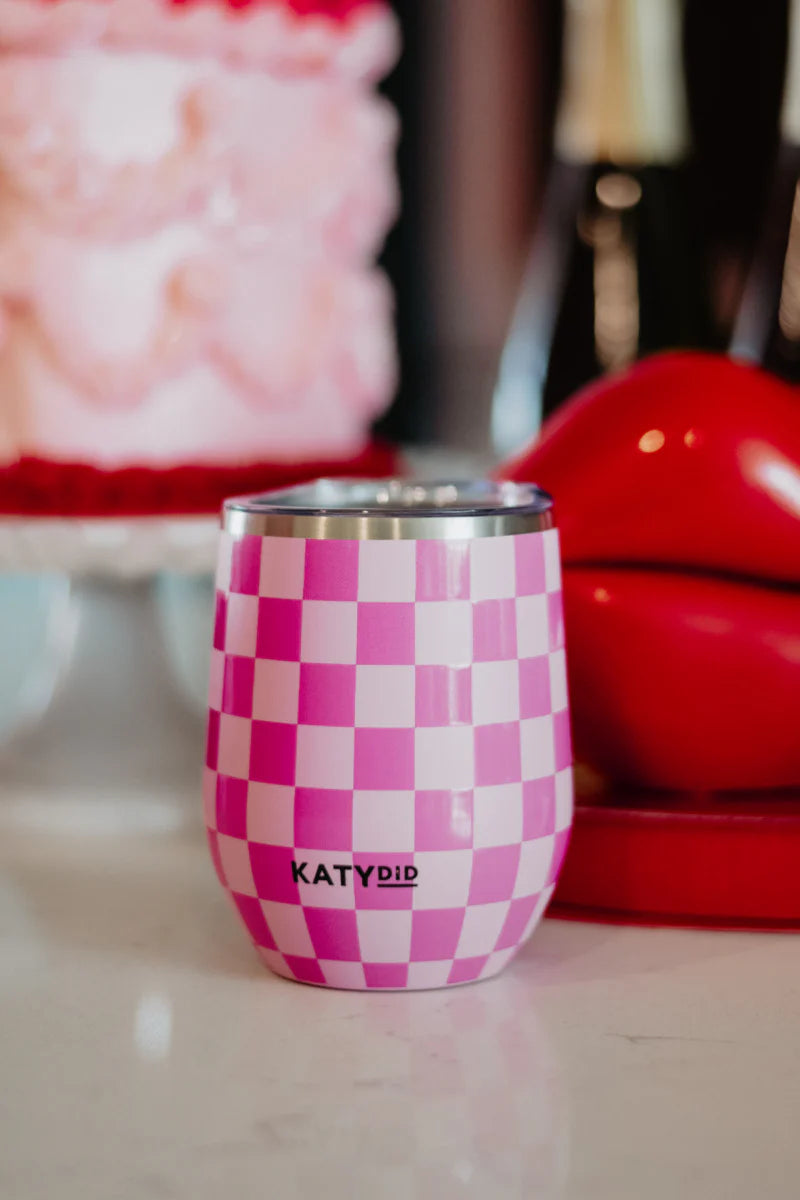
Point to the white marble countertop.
(146, 1053)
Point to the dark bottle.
(767, 328)
(616, 269)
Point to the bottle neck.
(790, 113)
(623, 98)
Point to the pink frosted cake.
(191, 199)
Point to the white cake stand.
(106, 644)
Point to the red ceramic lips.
(678, 498)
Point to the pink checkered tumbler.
(388, 787)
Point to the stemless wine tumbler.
(388, 788)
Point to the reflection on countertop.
(146, 1052)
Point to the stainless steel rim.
(363, 510)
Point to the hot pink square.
(272, 873)
(387, 892)
(212, 740)
(306, 970)
(443, 696)
(442, 570)
(519, 913)
(529, 553)
(237, 685)
(279, 628)
(385, 633)
(246, 565)
(327, 694)
(384, 758)
(497, 754)
(538, 808)
(555, 619)
(494, 630)
(323, 819)
(331, 570)
(465, 970)
(563, 739)
(386, 975)
(435, 933)
(232, 806)
(494, 873)
(273, 751)
(253, 916)
(560, 847)
(220, 611)
(534, 687)
(443, 820)
(334, 933)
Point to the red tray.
(725, 860)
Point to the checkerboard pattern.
(388, 788)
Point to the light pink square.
(555, 620)
(383, 821)
(216, 678)
(213, 847)
(324, 757)
(529, 549)
(562, 738)
(444, 633)
(329, 875)
(276, 688)
(327, 694)
(273, 749)
(234, 746)
(237, 686)
(333, 933)
(329, 631)
(444, 759)
(565, 799)
(492, 568)
(442, 570)
(542, 901)
(384, 759)
(331, 570)
(444, 878)
(384, 937)
(245, 564)
(234, 856)
(481, 929)
(539, 807)
(435, 933)
(384, 696)
(494, 625)
(274, 960)
(494, 873)
(519, 915)
(282, 567)
(443, 696)
(536, 857)
(552, 560)
(387, 570)
(537, 746)
(270, 814)
(533, 636)
(323, 818)
(384, 881)
(495, 691)
(497, 754)
(349, 975)
(385, 633)
(222, 578)
(249, 909)
(534, 686)
(558, 680)
(287, 924)
(443, 820)
(429, 974)
(278, 628)
(497, 815)
(272, 872)
(241, 625)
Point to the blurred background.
(477, 88)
